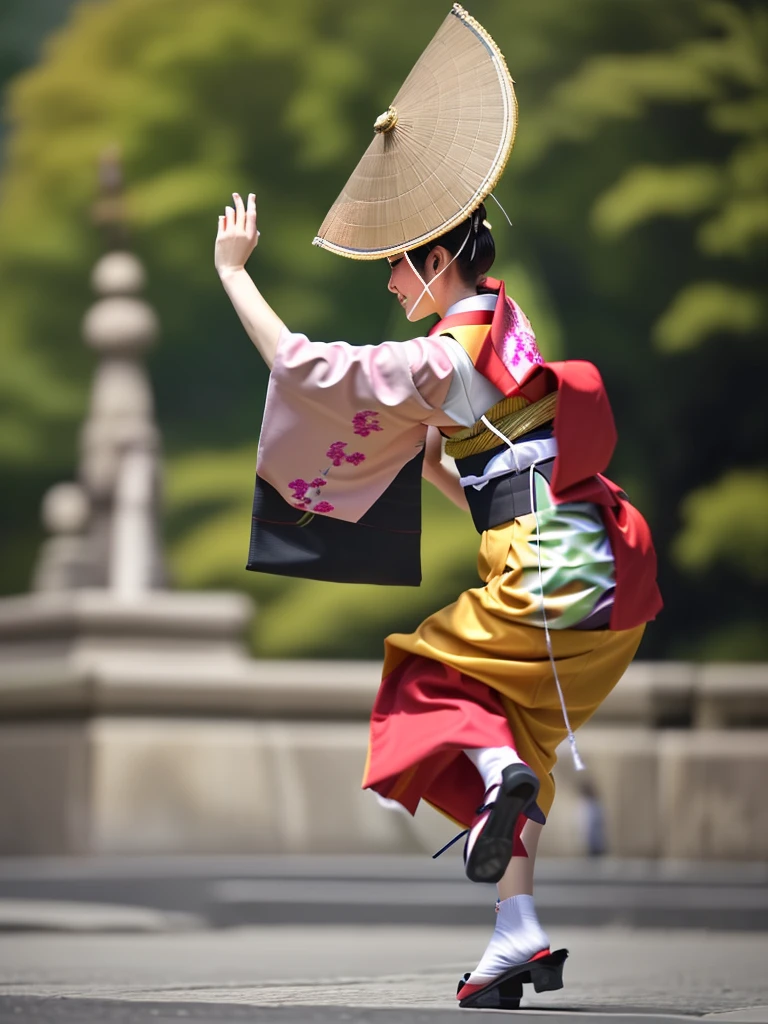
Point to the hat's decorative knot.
(385, 122)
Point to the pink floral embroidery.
(336, 452)
(524, 349)
(366, 422)
(337, 455)
(299, 488)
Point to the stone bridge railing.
(144, 727)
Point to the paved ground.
(337, 973)
(367, 941)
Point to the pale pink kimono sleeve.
(341, 421)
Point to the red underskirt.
(425, 715)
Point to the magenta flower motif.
(525, 348)
(366, 422)
(336, 452)
(299, 488)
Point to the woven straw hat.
(436, 153)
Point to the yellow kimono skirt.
(478, 673)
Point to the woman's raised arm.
(236, 240)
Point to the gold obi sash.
(514, 417)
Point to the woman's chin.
(419, 313)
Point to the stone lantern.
(104, 529)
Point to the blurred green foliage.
(638, 194)
(725, 525)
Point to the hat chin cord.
(426, 289)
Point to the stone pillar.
(65, 559)
(105, 527)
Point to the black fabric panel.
(383, 547)
(507, 497)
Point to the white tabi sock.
(490, 761)
(516, 938)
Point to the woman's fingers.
(240, 217)
(239, 211)
(250, 217)
(237, 235)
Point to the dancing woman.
(474, 703)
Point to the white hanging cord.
(578, 764)
(577, 761)
(493, 197)
(426, 290)
(504, 438)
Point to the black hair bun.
(471, 239)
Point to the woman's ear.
(438, 255)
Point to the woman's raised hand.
(237, 237)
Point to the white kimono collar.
(473, 302)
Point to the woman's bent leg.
(518, 878)
(518, 935)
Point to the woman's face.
(407, 286)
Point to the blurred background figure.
(592, 818)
